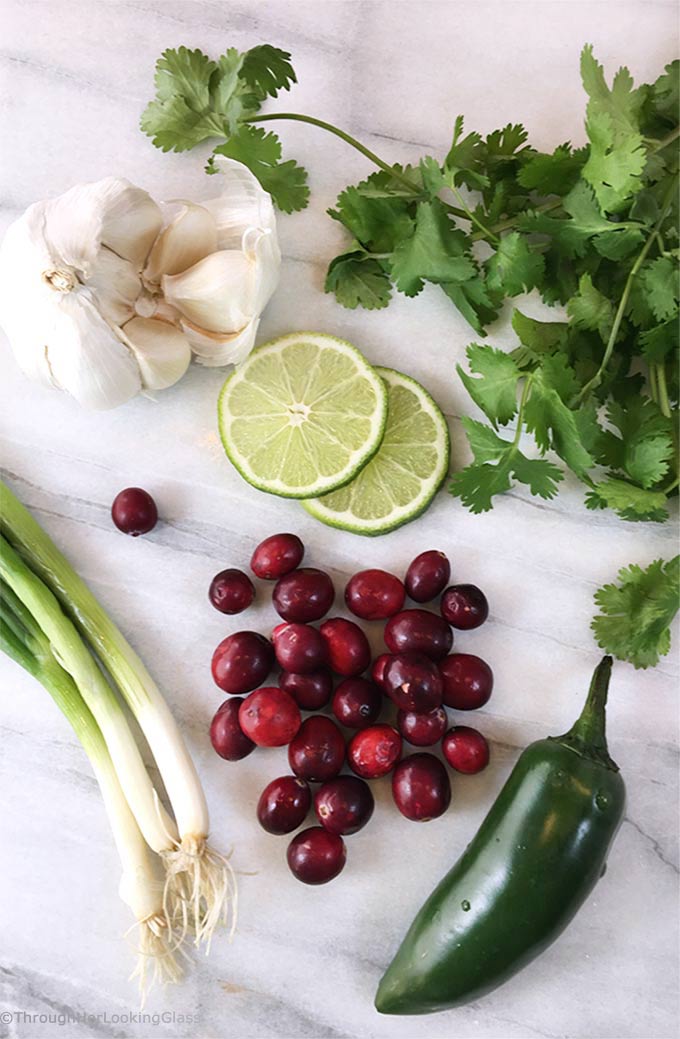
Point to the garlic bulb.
(105, 293)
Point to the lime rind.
(341, 401)
(402, 478)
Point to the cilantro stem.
(665, 141)
(469, 215)
(526, 391)
(664, 402)
(653, 387)
(511, 221)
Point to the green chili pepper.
(536, 858)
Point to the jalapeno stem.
(587, 735)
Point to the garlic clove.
(131, 221)
(161, 351)
(190, 236)
(218, 293)
(214, 350)
(86, 357)
(116, 284)
(241, 204)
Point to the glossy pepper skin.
(536, 858)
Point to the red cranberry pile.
(416, 680)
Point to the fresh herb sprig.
(636, 614)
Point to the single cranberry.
(464, 606)
(413, 682)
(374, 594)
(418, 631)
(316, 856)
(277, 555)
(465, 749)
(348, 650)
(226, 735)
(344, 805)
(374, 752)
(310, 692)
(357, 703)
(468, 681)
(231, 591)
(422, 730)
(421, 788)
(283, 805)
(304, 595)
(299, 648)
(242, 661)
(134, 511)
(378, 669)
(427, 576)
(269, 717)
(317, 752)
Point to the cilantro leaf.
(358, 282)
(661, 341)
(536, 337)
(554, 174)
(514, 268)
(378, 223)
(473, 301)
(550, 420)
(496, 391)
(631, 502)
(267, 70)
(464, 162)
(260, 151)
(434, 252)
(661, 279)
(636, 614)
(589, 308)
(645, 446)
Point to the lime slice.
(302, 415)
(403, 477)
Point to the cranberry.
(468, 681)
(344, 805)
(422, 730)
(357, 703)
(231, 591)
(242, 661)
(316, 856)
(413, 682)
(421, 788)
(374, 595)
(283, 805)
(427, 576)
(348, 649)
(310, 692)
(465, 749)
(418, 631)
(374, 752)
(299, 648)
(378, 669)
(317, 752)
(277, 555)
(269, 717)
(304, 595)
(464, 606)
(134, 511)
(226, 735)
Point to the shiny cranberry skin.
(304, 595)
(422, 730)
(276, 556)
(357, 703)
(468, 681)
(464, 606)
(413, 682)
(465, 749)
(134, 511)
(269, 717)
(317, 752)
(348, 650)
(299, 648)
(226, 734)
(283, 805)
(374, 595)
(418, 631)
(344, 805)
(316, 856)
(421, 788)
(231, 591)
(374, 752)
(427, 576)
(310, 692)
(378, 669)
(242, 661)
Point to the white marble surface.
(305, 962)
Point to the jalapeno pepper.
(536, 858)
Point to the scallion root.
(200, 891)
(159, 954)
